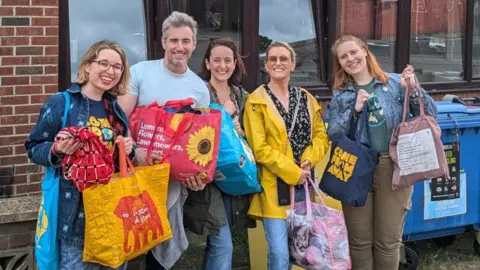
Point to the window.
(476, 39)
(93, 20)
(437, 39)
(215, 18)
(290, 21)
(375, 22)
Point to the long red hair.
(342, 78)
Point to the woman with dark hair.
(210, 211)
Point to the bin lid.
(452, 115)
(453, 107)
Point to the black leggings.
(151, 263)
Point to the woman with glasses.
(103, 75)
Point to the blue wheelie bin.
(443, 207)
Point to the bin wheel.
(476, 246)
(412, 260)
(444, 241)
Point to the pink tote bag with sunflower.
(184, 137)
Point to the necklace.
(283, 100)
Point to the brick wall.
(28, 76)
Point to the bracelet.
(135, 147)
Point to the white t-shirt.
(152, 81)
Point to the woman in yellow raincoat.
(284, 127)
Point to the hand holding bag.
(236, 172)
(317, 234)
(283, 188)
(186, 138)
(416, 147)
(128, 216)
(349, 173)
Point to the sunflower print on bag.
(200, 146)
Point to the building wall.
(376, 19)
(28, 75)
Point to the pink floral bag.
(317, 234)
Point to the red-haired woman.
(375, 230)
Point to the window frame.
(324, 11)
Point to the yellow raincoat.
(267, 135)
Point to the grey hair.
(179, 19)
(285, 45)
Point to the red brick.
(7, 31)
(11, 61)
(14, 41)
(5, 131)
(36, 177)
(51, 31)
(6, 51)
(51, 70)
(50, 89)
(15, 80)
(7, 150)
(15, 159)
(26, 109)
(43, 79)
(6, 11)
(29, 31)
(44, 21)
(14, 100)
(44, 60)
(28, 89)
(20, 179)
(6, 110)
(15, 2)
(27, 169)
(51, 12)
(24, 129)
(45, 2)
(5, 91)
(35, 99)
(14, 119)
(28, 11)
(20, 150)
(51, 50)
(6, 71)
(33, 118)
(44, 41)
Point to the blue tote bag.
(236, 171)
(46, 242)
(349, 172)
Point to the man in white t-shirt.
(163, 80)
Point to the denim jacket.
(71, 216)
(390, 95)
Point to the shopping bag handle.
(307, 195)
(178, 104)
(182, 127)
(411, 85)
(123, 159)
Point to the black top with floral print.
(301, 134)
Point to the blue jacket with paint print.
(71, 217)
(390, 95)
